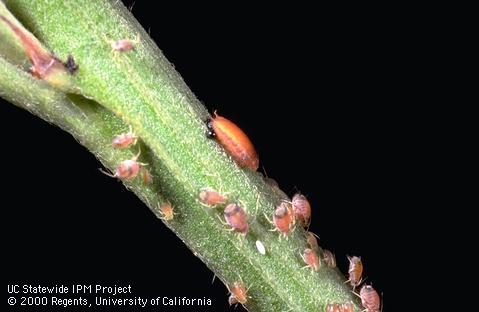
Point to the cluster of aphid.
(285, 216)
(237, 144)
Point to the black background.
(317, 92)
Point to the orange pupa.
(235, 142)
(370, 299)
(355, 271)
(238, 293)
(211, 198)
(235, 217)
(302, 209)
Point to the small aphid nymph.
(122, 45)
(235, 217)
(283, 218)
(312, 240)
(311, 259)
(147, 178)
(212, 198)
(355, 271)
(370, 299)
(302, 209)
(238, 293)
(124, 140)
(329, 258)
(234, 141)
(260, 247)
(167, 211)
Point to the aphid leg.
(270, 222)
(257, 206)
(213, 280)
(230, 229)
(107, 173)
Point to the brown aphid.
(355, 271)
(370, 299)
(124, 140)
(283, 218)
(122, 45)
(147, 178)
(329, 258)
(212, 198)
(302, 209)
(238, 293)
(310, 257)
(312, 240)
(235, 217)
(167, 211)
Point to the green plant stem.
(141, 89)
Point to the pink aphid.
(127, 169)
(235, 216)
(124, 140)
(370, 299)
(302, 209)
(311, 259)
(122, 45)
